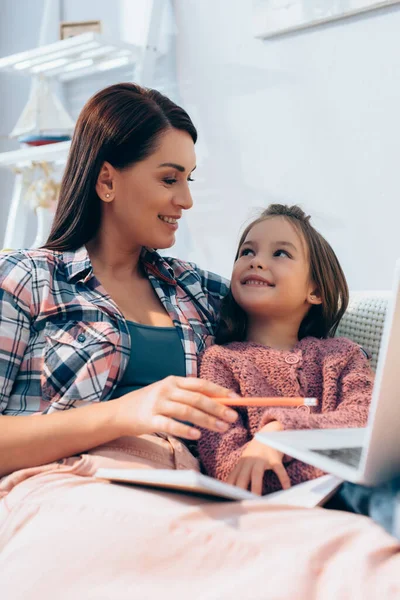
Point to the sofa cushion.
(364, 319)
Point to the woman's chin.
(164, 244)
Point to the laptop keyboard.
(348, 456)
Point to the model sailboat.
(44, 119)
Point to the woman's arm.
(354, 391)
(27, 441)
(32, 440)
(215, 285)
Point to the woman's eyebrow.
(175, 166)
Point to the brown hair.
(121, 124)
(322, 320)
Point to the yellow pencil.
(278, 401)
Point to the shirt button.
(291, 359)
(81, 338)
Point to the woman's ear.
(105, 186)
(314, 297)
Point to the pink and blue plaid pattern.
(64, 341)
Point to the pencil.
(278, 401)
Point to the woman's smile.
(171, 222)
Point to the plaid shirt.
(62, 338)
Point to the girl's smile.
(256, 280)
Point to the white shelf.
(77, 56)
(24, 157)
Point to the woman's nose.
(184, 199)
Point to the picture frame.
(71, 28)
(272, 18)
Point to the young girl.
(275, 338)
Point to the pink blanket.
(65, 535)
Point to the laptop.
(367, 455)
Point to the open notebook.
(307, 494)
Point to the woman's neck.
(113, 259)
(274, 333)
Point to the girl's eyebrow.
(251, 243)
(286, 244)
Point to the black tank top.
(156, 352)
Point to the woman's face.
(146, 201)
(271, 277)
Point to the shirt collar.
(155, 264)
(77, 264)
(79, 268)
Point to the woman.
(78, 321)
(88, 317)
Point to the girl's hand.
(255, 460)
(159, 408)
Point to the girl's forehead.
(275, 229)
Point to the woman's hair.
(322, 320)
(121, 124)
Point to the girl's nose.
(257, 263)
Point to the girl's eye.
(190, 179)
(246, 252)
(281, 252)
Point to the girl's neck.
(277, 334)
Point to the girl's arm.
(354, 391)
(219, 452)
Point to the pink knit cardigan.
(335, 370)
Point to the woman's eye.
(281, 252)
(246, 252)
(190, 179)
(170, 180)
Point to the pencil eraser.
(310, 401)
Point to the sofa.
(364, 319)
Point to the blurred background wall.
(310, 117)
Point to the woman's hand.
(156, 408)
(255, 460)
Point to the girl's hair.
(120, 124)
(322, 320)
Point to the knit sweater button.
(291, 359)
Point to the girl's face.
(146, 201)
(271, 277)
